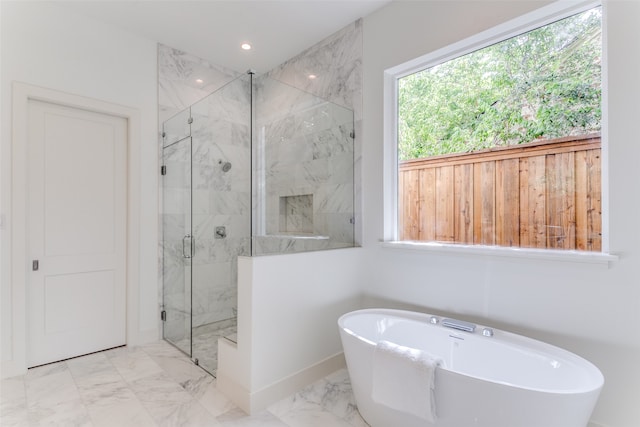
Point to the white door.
(76, 295)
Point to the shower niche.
(255, 168)
(296, 214)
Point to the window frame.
(527, 22)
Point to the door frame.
(18, 230)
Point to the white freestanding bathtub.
(488, 378)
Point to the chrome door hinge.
(163, 315)
(190, 120)
(35, 265)
(163, 170)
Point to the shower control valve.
(221, 232)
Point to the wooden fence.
(538, 195)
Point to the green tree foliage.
(540, 85)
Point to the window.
(499, 144)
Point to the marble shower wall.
(185, 80)
(221, 176)
(332, 70)
(177, 274)
(303, 157)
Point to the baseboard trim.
(253, 402)
(12, 369)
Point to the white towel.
(404, 379)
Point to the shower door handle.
(184, 241)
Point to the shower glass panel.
(221, 160)
(257, 167)
(177, 242)
(303, 156)
(176, 128)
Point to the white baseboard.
(234, 391)
(253, 402)
(12, 369)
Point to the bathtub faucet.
(459, 324)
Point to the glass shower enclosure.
(255, 168)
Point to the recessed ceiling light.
(199, 81)
(245, 46)
(312, 76)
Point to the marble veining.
(307, 148)
(302, 140)
(156, 385)
(336, 63)
(209, 176)
(184, 79)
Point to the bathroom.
(574, 305)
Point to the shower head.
(226, 166)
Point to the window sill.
(497, 251)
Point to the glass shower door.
(221, 161)
(178, 242)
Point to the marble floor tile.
(190, 413)
(331, 394)
(51, 389)
(214, 401)
(156, 385)
(53, 398)
(134, 363)
(71, 413)
(237, 418)
(312, 415)
(123, 410)
(13, 402)
(44, 370)
(88, 365)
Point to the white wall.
(288, 307)
(589, 309)
(45, 45)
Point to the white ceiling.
(214, 30)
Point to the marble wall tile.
(218, 169)
(185, 80)
(296, 214)
(307, 149)
(178, 75)
(337, 64)
(303, 136)
(222, 168)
